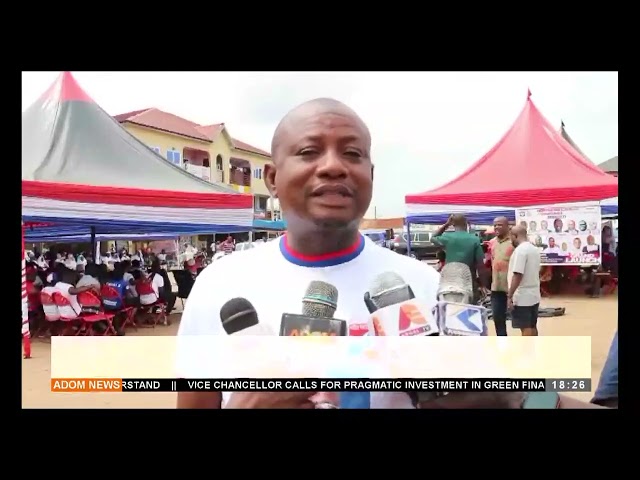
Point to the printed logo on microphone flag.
(467, 317)
(409, 315)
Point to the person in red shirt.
(36, 314)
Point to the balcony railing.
(201, 172)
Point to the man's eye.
(307, 151)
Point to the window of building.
(174, 157)
(260, 203)
(156, 149)
(257, 173)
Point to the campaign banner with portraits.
(565, 235)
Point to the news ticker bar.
(321, 384)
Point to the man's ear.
(270, 179)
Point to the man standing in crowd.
(322, 175)
(228, 246)
(523, 296)
(462, 246)
(501, 249)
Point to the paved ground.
(585, 316)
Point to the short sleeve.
(158, 280)
(441, 239)
(200, 320)
(519, 260)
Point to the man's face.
(557, 225)
(322, 169)
(544, 225)
(571, 225)
(552, 242)
(514, 240)
(501, 227)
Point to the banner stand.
(26, 335)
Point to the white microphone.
(395, 311)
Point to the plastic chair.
(89, 300)
(129, 313)
(158, 309)
(69, 321)
(51, 312)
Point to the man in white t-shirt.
(70, 292)
(323, 177)
(324, 184)
(524, 283)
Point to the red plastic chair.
(158, 309)
(69, 321)
(129, 313)
(91, 300)
(51, 312)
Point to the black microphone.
(239, 317)
(318, 307)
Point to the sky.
(427, 127)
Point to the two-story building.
(206, 151)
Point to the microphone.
(318, 307)
(456, 314)
(319, 304)
(395, 310)
(239, 317)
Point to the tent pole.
(26, 335)
(95, 254)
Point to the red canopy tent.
(532, 164)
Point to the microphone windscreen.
(238, 314)
(389, 288)
(320, 300)
(456, 283)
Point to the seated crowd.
(126, 285)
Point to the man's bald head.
(308, 109)
(519, 231)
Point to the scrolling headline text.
(318, 384)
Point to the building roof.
(610, 165)
(170, 123)
(532, 164)
(68, 138)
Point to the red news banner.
(77, 385)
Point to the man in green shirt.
(461, 246)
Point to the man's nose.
(332, 165)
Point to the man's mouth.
(331, 190)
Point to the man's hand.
(470, 400)
(509, 303)
(271, 400)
